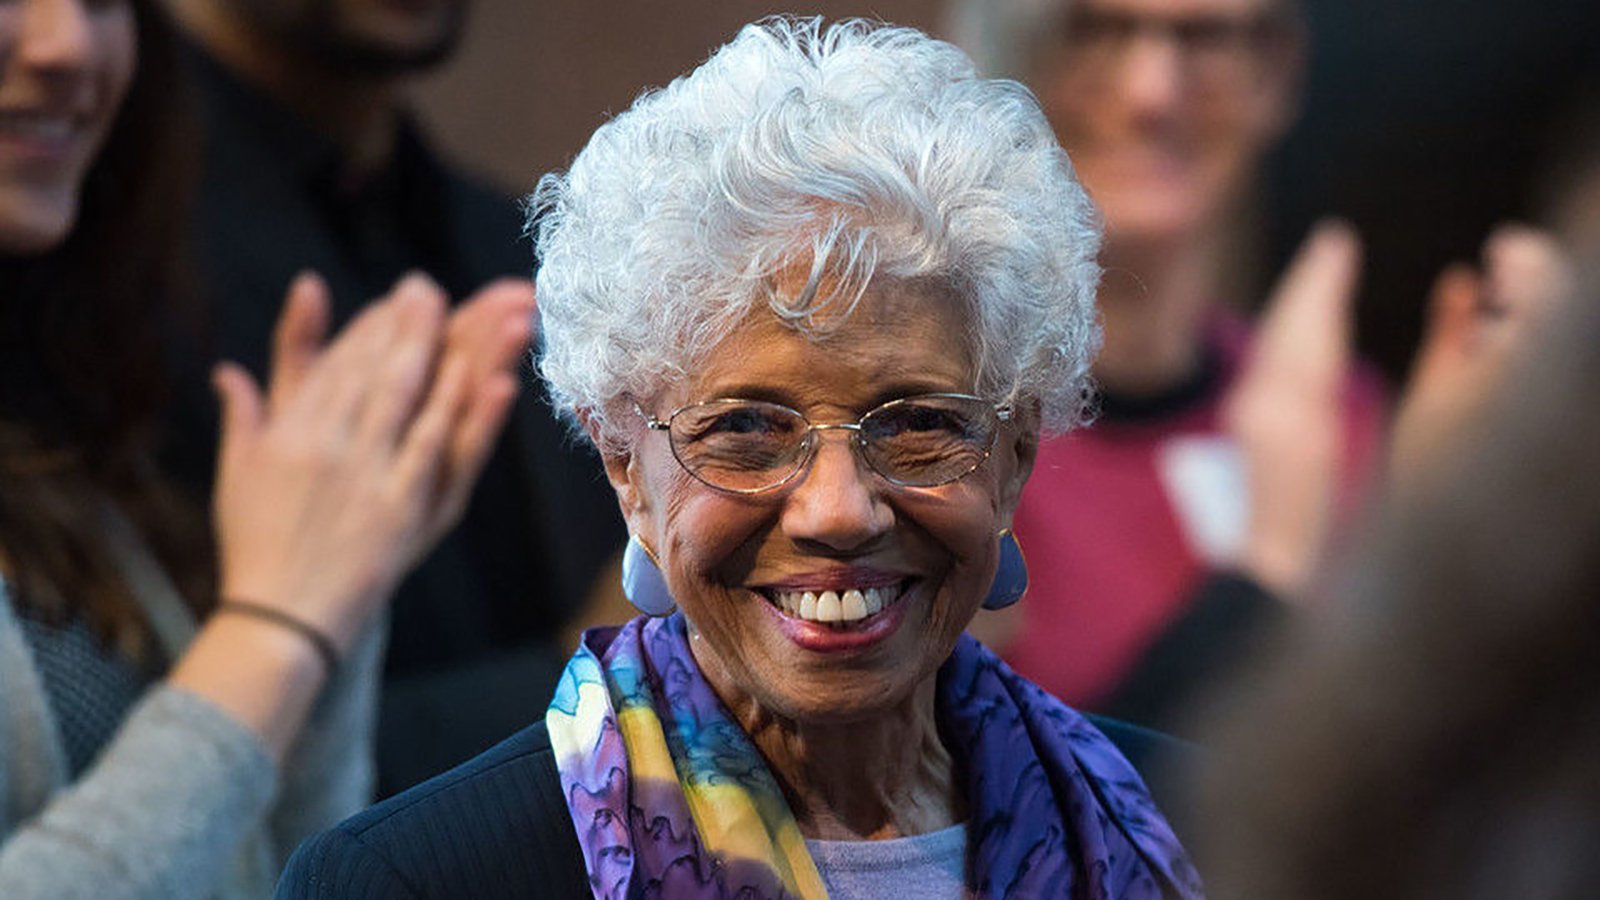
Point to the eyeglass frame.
(1255, 31)
(1003, 413)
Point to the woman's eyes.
(742, 421)
(916, 419)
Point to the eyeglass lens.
(1218, 47)
(750, 445)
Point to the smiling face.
(64, 68)
(740, 565)
(1167, 106)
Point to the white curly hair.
(848, 152)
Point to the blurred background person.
(312, 161)
(1167, 108)
(176, 714)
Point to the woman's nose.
(56, 35)
(838, 502)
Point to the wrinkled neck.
(885, 776)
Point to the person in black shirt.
(311, 162)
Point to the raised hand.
(333, 483)
(362, 453)
(1286, 414)
(1479, 321)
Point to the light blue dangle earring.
(1010, 576)
(642, 581)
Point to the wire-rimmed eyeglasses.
(748, 446)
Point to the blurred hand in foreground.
(1479, 321)
(1286, 412)
(363, 451)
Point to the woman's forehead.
(901, 337)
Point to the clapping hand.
(361, 453)
(1286, 413)
(1479, 321)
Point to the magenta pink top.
(1121, 520)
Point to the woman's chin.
(34, 226)
(841, 672)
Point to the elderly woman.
(814, 303)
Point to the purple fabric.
(1057, 812)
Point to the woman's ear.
(1021, 439)
(623, 471)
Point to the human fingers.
(1307, 323)
(1301, 351)
(450, 442)
(298, 337)
(1284, 413)
(1526, 273)
(1454, 307)
(491, 330)
(471, 445)
(1445, 380)
(338, 388)
(394, 376)
(420, 463)
(242, 409)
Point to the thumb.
(1452, 313)
(297, 340)
(1303, 340)
(242, 403)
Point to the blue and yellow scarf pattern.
(670, 799)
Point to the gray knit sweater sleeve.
(330, 772)
(160, 815)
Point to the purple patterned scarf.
(670, 799)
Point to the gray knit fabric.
(90, 690)
(928, 866)
(180, 804)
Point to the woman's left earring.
(1010, 577)
(642, 581)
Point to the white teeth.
(850, 605)
(828, 609)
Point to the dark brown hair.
(84, 332)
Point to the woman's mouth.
(40, 135)
(838, 608)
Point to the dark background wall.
(1427, 122)
(535, 77)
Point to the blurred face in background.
(64, 68)
(1167, 106)
(376, 37)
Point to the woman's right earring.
(642, 581)
(1010, 576)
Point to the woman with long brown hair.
(176, 711)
